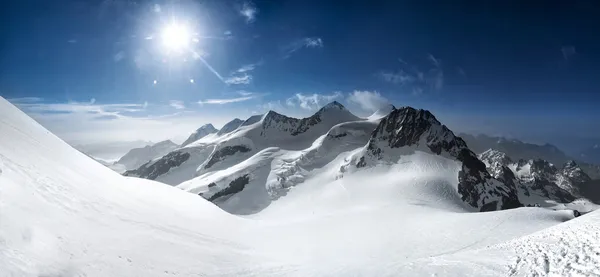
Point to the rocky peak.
(419, 128)
(333, 105)
(200, 133)
(492, 156)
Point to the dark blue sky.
(505, 67)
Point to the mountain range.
(247, 165)
(310, 188)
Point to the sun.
(176, 37)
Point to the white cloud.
(415, 80)
(368, 100)
(248, 67)
(93, 100)
(157, 8)
(308, 42)
(248, 10)
(119, 56)
(226, 100)
(72, 41)
(242, 79)
(177, 104)
(244, 93)
(312, 101)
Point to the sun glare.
(176, 37)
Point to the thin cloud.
(368, 100)
(312, 101)
(568, 52)
(248, 10)
(25, 100)
(308, 42)
(248, 67)
(418, 81)
(72, 41)
(229, 100)
(243, 79)
(119, 56)
(177, 104)
(434, 61)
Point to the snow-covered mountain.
(517, 149)
(139, 156)
(230, 126)
(407, 130)
(63, 214)
(201, 132)
(213, 153)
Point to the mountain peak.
(201, 132)
(333, 105)
(382, 111)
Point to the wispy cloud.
(368, 100)
(25, 100)
(312, 101)
(249, 67)
(246, 95)
(568, 52)
(226, 100)
(399, 77)
(119, 56)
(415, 80)
(248, 10)
(177, 104)
(72, 40)
(308, 42)
(241, 79)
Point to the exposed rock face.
(536, 180)
(410, 127)
(222, 153)
(234, 187)
(203, 131)
(153, 169)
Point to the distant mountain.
(536, 180)
(201, 132)
(230, 126)
(517, 150)
(139, 156)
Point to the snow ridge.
(201, 132)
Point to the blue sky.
(99, 70)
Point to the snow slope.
(63, 214)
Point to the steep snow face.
(418, 130)
(203, 131)
(492, 156)
(573, 178)
(272, 130)
(382, 112)
(230, 126)
(248, 186)
(139, 156)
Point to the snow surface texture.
(62, 214)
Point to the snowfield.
(63, 214)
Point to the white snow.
(139, 156)
(63, 214)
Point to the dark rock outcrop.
(220, 154)
(234, 187)
(153, 169)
